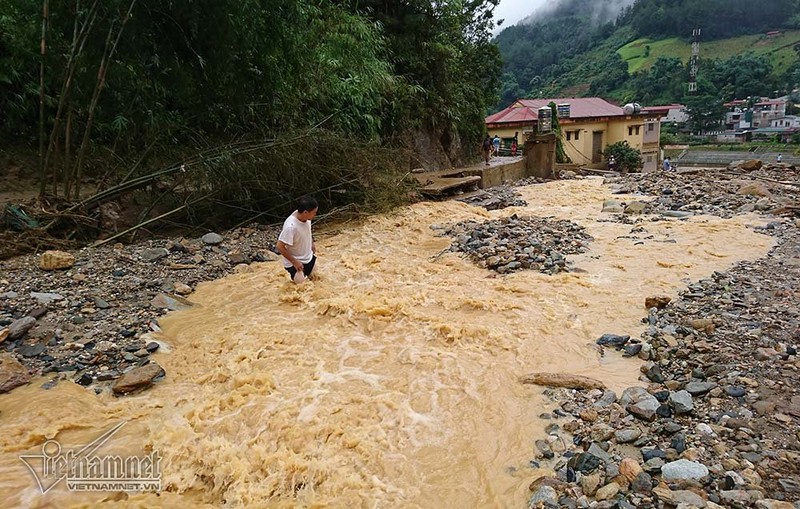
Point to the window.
(577, 133)
(637, 129)
(569, 135)
(630, 130)
(651, 126)
(649, 159)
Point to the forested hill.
(638, 50)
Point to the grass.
(780, 50)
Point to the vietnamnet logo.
(83, 470)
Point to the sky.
(514, 10)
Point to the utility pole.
(693, 62)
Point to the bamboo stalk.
(99, 85)
(42, 53)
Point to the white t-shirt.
(296, 235)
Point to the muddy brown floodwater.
(389, 382)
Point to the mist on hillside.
(599, 11)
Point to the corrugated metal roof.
(526, 110)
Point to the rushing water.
(389, 382)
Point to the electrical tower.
(693, 62)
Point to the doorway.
(597, 146)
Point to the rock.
(613, 206)
(703, 324)
(154, 254)
(681, 402)
(645, 408)
(607, 492)
(138, 378)
(699, 388)
(18, 328)
(754, 189)
(657, 301)
(683, 470)
(12, 373)
(171, 302)
(790, 485)
(751, 164)
(56, 260)
(612, 340)
(31, 350)
(584, 462)
(588, 415)
(643, 484)
(5, 333)
(735, 391)
(590, 483)
(635, 207)
(212, 239)
(544, 495)
(626, 436)
(630, 469)
(769, 503)
(182, 289)
(562, 380)
(46, 298)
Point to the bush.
(627, 157)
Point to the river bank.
(404, 359)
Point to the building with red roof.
(588, 125)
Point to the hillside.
(642, 53)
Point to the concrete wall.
(496, 175)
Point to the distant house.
(765, 112)
(774, 33)
(787, 121)
(668, 113)
(589, 125)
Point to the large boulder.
(751, 165)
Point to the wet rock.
(584, 462)
(12, 373)
(657, 301)
(699, 388)
(544, 495)
(31, 350)
(613, 207)
(138, 378)
(171, 302)
(56, 260)
(612, 340)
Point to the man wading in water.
(295, 243)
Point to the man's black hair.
(306, 203)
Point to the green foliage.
(717, 18)
(705, 112)
(626, 157)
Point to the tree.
(626, 157)
(705, 112)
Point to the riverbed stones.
(56, 260)
(19, 327)
(516, 243)
(212, 239)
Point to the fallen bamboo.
(145, 223)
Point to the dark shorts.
(307, 268)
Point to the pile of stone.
(89, 315)
(716, 421)
(495, 198)
(519, 243)
(718, 192)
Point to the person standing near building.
(779, 158)
(295, 243)
(667, 165)
(496, 144)
(487, 147)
